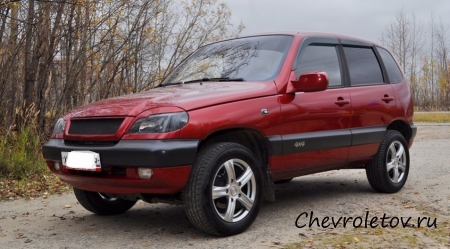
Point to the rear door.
(373, 100)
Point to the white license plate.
(81, 160)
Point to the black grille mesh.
(95, 126)
(90, 143)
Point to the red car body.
(294, 132)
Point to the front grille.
(94, 143)
(95, 126)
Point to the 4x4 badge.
(299, 144)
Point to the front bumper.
(170, 161)
(163, 181)
(132, 153)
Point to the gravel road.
(60, 222)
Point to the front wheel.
(102, 204)
(389, 168)
(223, 194)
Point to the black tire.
(102, 204)
(380, 178)
(224, 214)
(283, 181)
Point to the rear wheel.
(223, 194)
(389, 169)
(102, 204)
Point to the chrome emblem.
(299, 144)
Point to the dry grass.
(381, 238)
(23, 171)
(33, 186)
(432, 117)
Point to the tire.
(102, 204)
(386, 173)
(283, 181)
(235, 174)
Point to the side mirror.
(311, 82)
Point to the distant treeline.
(423, 50)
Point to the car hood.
(185, 96)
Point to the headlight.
(59, 126)
(160, 123)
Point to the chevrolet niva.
(235, 117)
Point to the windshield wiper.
(202, 80)
(215, 79)
(169, 84)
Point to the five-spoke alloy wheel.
(223, 194)
(396, 162)
(233, 197)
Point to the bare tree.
(404, 37)
(423, 55)
(442, 55)
(62, 54)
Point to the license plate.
(81, 160)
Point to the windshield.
(250, 59)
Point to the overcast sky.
(361, 18)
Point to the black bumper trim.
(275, 145)
(133, 153)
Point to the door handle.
(387, 99)
(341, 102)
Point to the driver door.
(316, 124)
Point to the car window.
(252, 59)
(363, 66)
(394, 73)
(320, 58)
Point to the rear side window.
(321, 58)
(363, 66)
(394, 73)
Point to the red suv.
(235, 117)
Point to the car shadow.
(316, 192)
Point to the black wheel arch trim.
(413, 130)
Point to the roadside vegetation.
(432, 117)
(23, 172)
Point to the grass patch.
(23, 171)
(432, 117)
(20, 154)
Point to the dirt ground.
(60, 222)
